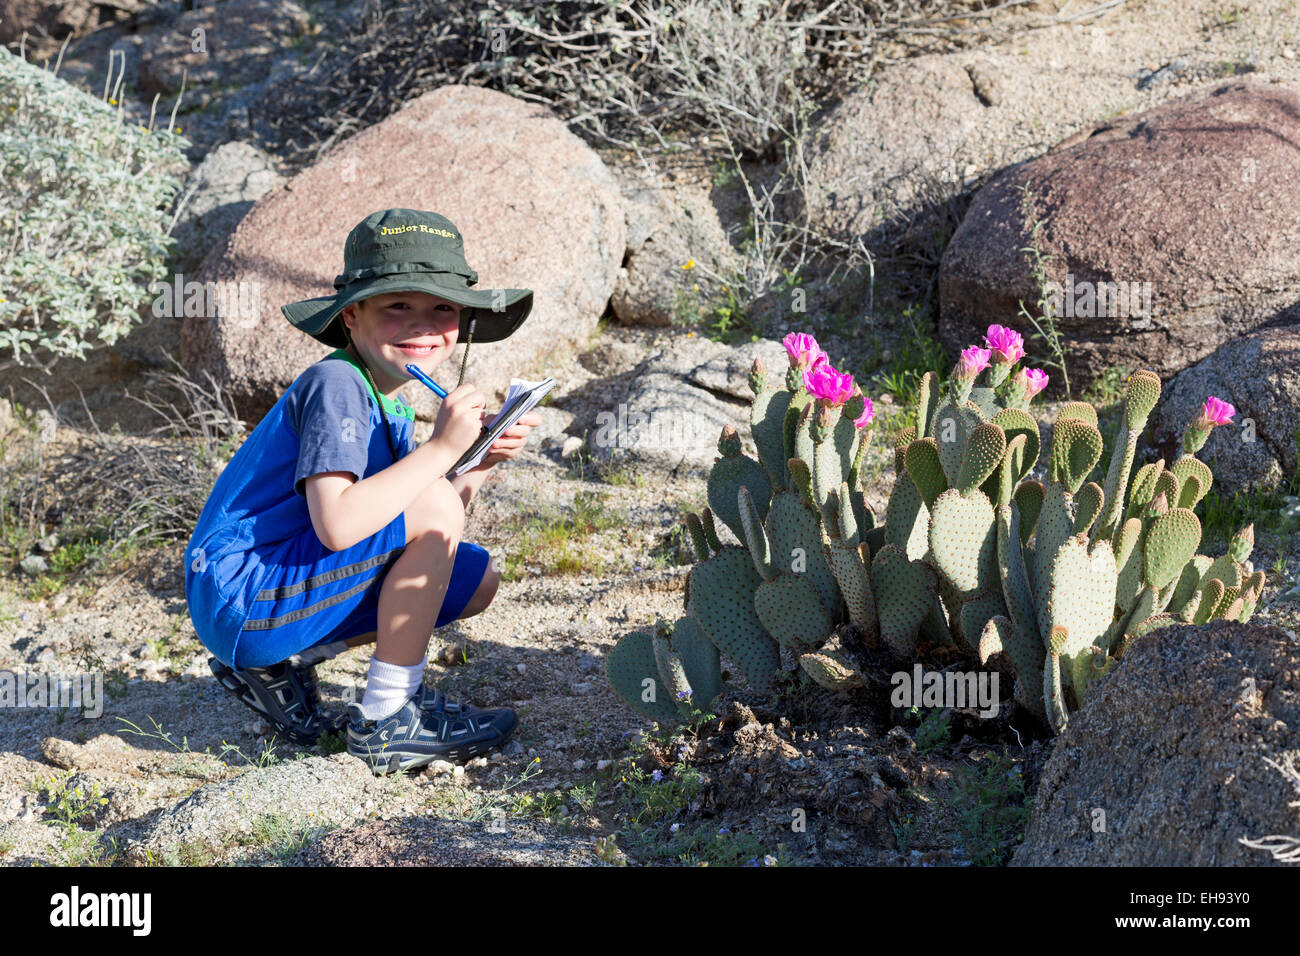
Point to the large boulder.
(1260, 375)
(676, 404)
(678, 253)
(1177, 755)
(417, 841)
(537, 208)
(228, 44)
(46, 21)
(880, 150)
(1170, 232)
(221, 190)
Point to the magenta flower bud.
(1007, 345)
(832, 387)
(973, 361)
(868, 414)
(804, 351)
(1217, 411)
(1034, 381)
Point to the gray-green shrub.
(83, 216)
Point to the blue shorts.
(313, 595)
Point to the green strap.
(384, 402)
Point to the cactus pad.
(792, 612)
(1170, 543)
(631, 663)
(922, 462)
(905, 591)
(1076, 449)
(984, 450)
(722, 601)
(963, 539)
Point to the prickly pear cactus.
(1051, 578)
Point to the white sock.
(319, 652)
(388, 686)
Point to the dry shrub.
(126, 489)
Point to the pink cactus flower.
(973, 361)
(1035, 380)
(1217, 411)
(804, 351)
(832, 387)
(868, 414)
(1007, 345)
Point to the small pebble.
(442, 766)
(34, 564)
(579, 764)
(477, 762)
(46, 656)
(514, 748)
(603, 764)
(458, 772)
(520, 667)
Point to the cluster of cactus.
(1052, 578)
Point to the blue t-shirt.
(329, 419)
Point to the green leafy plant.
(934, 730)
(84, 221)
(994, 810)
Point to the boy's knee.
(484, 593)
(436, 510)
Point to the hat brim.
(496, 313)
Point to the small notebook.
(521, 398)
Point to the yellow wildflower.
(690, 264)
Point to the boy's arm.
(329, 412)
(345, 511)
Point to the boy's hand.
(460, 419)
(511, 441)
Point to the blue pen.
(437, 389)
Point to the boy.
(322, 533)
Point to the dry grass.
(121, 491)
(627, 71)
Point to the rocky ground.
(175, 770)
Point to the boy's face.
(400, 328)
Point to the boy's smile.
(399, 328)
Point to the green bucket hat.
(406, 250)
